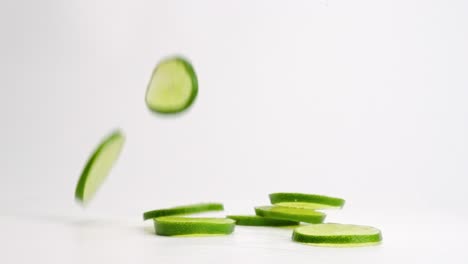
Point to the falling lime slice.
(98, 166)
(173, 86)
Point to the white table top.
(418, 237)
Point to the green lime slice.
(173, 86)
(340, 235)
(306, 201)
(98, 166)
(255, 220)
(184, 209)
(291, 214)
(186, 226)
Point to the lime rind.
(306, 201)
(183, 210)
(303, 205)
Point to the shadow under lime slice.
(337, 235)
(187, 226)
(184, 209)
(291, 214)
(98, 166)
(173, 86)
(306, 201)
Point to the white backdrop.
(365, 100)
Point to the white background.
(364, 100)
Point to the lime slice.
(98, 166)
(291, 214)
(255, 220)
(173, 86)
(307, 201)
(184, 209)
(340, 235)
(185, 226)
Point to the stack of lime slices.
(288, 209)
(175, 222)
(293, 208)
